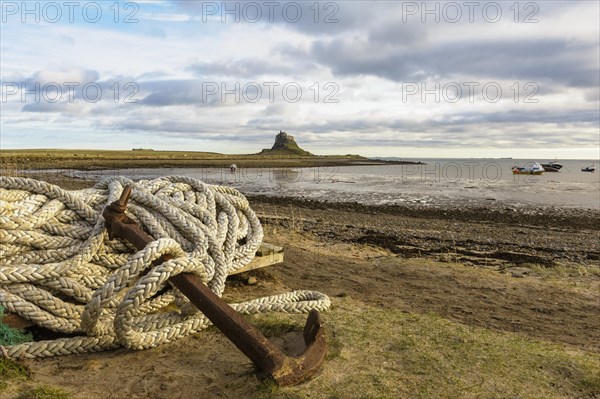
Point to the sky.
(380, 78)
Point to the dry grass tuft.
(45, 392)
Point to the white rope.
(59, 268)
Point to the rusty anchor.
(284, 370)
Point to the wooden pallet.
(266, 255)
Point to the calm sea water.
(437, 182)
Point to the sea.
(435, 182)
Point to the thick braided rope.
(59, 268)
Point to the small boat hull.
(552, 166)
(590, 168)
(532, 169)
(527, 172)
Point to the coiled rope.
(59, 268)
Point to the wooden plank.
(266, 255)
(267, 249)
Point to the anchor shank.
(266, 356)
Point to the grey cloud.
(73, 92)
(466, 136)
(583, 116)
(555, 61)
(378, 41)
(398, 34)
(269, 124)
(246, 68)
(43, 107)
(171, 127)
(469, 123)
(328, 17)
(320, 18)
(80, 77)
(182, 129)
(592, 95)
(178, 92)
(208, 92)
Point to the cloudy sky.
(381, 78)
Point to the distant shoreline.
(107, 159)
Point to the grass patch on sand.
(44, 392)
(566, 270)
(275, 324)
(581, 279)
(387, 353)
(11, 370)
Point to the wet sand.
(492, 236)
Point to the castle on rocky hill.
(285, 145)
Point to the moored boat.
(552, 166)
(590, 168)
(531, 169)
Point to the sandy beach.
(486, 302)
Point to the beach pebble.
(252, 280)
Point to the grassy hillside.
(99, 159)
